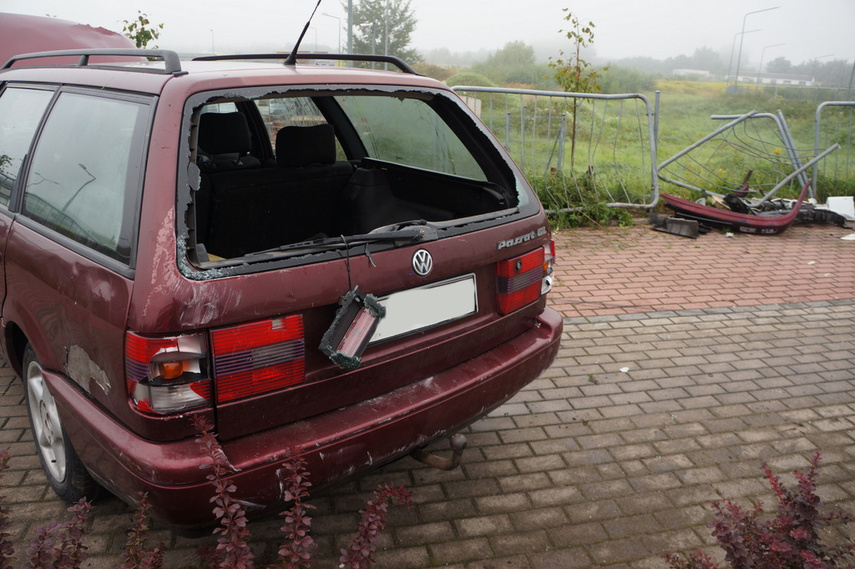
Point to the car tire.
(62, 467)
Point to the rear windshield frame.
(498, 167)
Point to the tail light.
(548, 263)
(167, 374)
(258, 357)
(523, 279)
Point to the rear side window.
(86, 169)
(21, 111)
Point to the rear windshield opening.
(312, 169)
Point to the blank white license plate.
(420, 308)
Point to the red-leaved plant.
(296, 551)
(232, 550)
(60, 545)
(360, 554)
(789, 540)
(136, 556)
(56, 545)
(6, 548)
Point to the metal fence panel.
(575, 148)
(835, 123)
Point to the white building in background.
(780, 79)
(692, 73)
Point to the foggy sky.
(820, 29)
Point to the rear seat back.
(261, 208)
(225, 142)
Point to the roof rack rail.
(396, 61)
(171, 61)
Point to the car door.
(21, 112)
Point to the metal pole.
(733, 49)
(739, 57)
(851, 79)
(339, 28)
(522, 134)
(385, 32)
(791, 149)
(656, 109)
(762, 54)
(349, 28)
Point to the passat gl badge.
(422, 262)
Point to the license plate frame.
(421, 308)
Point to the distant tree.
(679, 62)
(514, 53)
(514, 64)
(647, 64)
(618, 79)
(779, 65)
(141, 31)
(837, 72)
(573, 73)
(384, 27)
(707, 59)
(433, 70)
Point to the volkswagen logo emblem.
(422, 262)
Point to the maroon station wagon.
(323, 261)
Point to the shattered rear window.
(288, 174)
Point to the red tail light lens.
(166, 374)
(519, 280)
(258, 357)
(522, 280)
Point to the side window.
(21, 111)
(85, 170)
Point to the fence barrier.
(575, 147)
(583, 148)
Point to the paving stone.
(425, 533)
(591, 466)
(565, 558)
(483, 526)
(461, 550)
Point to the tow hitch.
(458, 444)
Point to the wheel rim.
(47, 428)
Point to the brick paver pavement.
(685, 364)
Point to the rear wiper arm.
(404, 236)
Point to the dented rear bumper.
(337, 446)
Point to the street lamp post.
(314, 29)
(349, 27)
(339, 27)
(733, 49)
(739, 56)
(762, 55)
(385, 32)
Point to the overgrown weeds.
(577, 202)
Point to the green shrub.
(470, 78)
